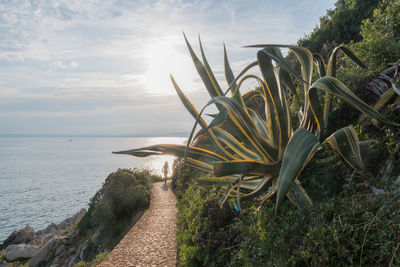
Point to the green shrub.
(156, 178)
(202, 235)
(344, 230)
(340, 25)
(121, 201)
(380, 42)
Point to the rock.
(50, 229)
(42, 254)
(58, 229)
(60, 249)
(21, 236)
(46, 239)
(20, 251)
(64, 258)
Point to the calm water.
(45, 180)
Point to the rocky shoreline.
(56, 245)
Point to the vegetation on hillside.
(340, 25)
(121, 201)
(353, 218)
(355, 221)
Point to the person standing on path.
(165, 170)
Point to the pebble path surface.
(151, 241)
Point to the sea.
(44, 180)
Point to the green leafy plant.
(260, 157)
(121, 201)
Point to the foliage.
(121, 201)
(154, 178)
(340, 25)
(201, 227)
(263, 154)
(380, 42)
(345, 229)
(97, 260)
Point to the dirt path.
(151, 242)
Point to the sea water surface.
(47, 179)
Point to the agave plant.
(260, 157)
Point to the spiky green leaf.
(345, 144)
(301, 148)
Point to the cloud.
(107, 60)
(74, 64)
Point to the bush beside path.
(151, 241)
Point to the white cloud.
(72, 56)
(74, 64)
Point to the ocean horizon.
(46, 179)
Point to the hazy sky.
(101, 67)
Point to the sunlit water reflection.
(44, 180)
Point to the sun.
(165, 56)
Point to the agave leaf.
(251, 167)
(299, 151)
(230, 78)
(234, 144)
(244, 127)
(219, 119)
(202, 70)
(175, 150)
(248, 96)
(320, 63)
(188, 105)
(286, 79)
(345, 144)
(303, 55)
(260, 124)
(306, 61)
(273, 138)
(236, 93)
(254, 187)
(331, 70)
(278, 99)
(274, 52)
(271, 190)
(209, 71)
(382, 101)
(249, 182)
(246, 69)
(199, 119)
(238, 192)
(200, 165)
(337, 88)
(299, 197)
(223, 199)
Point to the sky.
(102, 68)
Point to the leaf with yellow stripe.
(175, 150)
(345, 144)
(252, 167)
(299, 197)
(300, 150)
(331, 68)
(339, 89)
(202, 70)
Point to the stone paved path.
(151, 242)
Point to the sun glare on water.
(165, 56)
